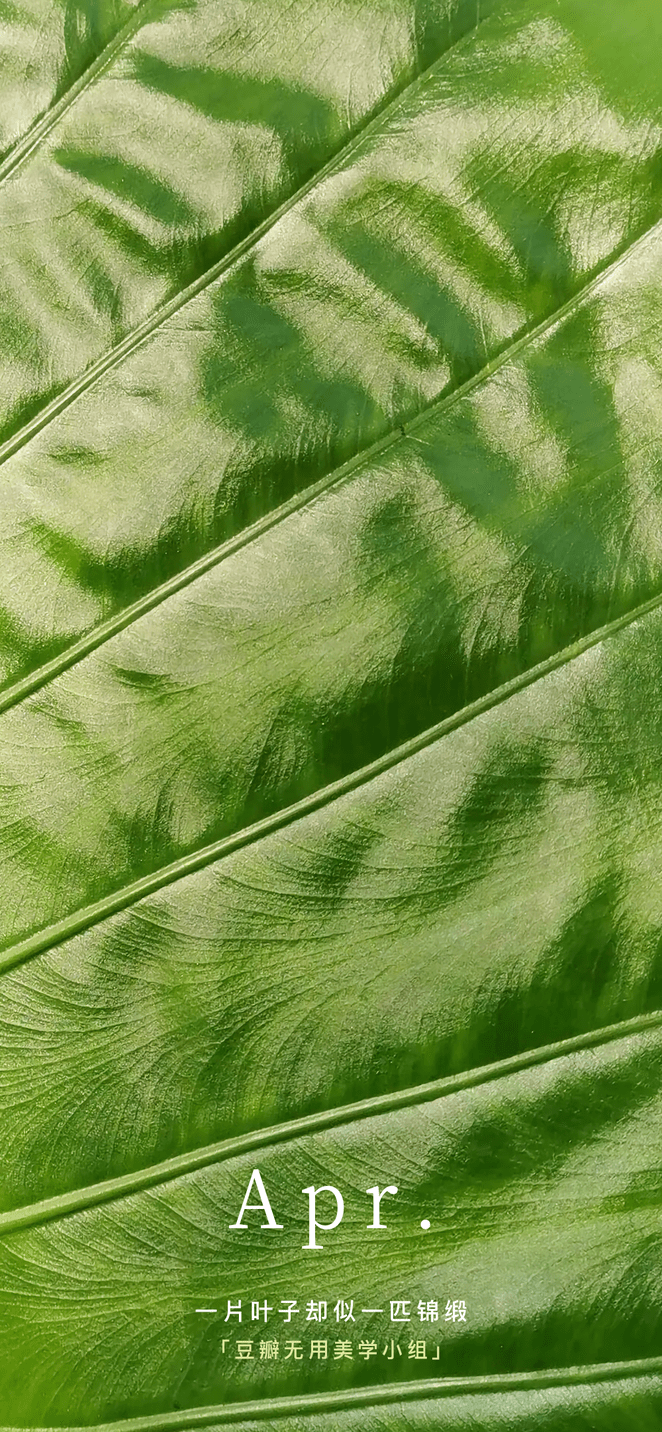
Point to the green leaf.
(330, 733)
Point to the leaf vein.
(128, 895)
(97, 636)
(133, 340)
(381, 1394)
(27, 144)
(76, 1200)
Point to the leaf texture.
(331, 649)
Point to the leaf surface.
(331, 649)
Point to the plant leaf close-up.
(330, 724)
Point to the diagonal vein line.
(97, 636)
(382, 1394)
(173, 1168)
(128, 895)
(76, 1200)
(114, 356)
(39, 131)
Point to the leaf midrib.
(379, 1394)
(76, 1200)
